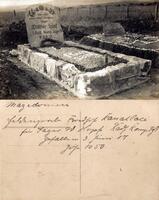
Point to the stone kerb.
(103, 82)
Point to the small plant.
(14, 34)
(140, 25)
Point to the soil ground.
(17, 81)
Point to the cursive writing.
(76, 132)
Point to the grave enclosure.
(86, 71)
(143, 46)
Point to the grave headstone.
(42, 22)
(111, 29)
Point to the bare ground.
(17, 81)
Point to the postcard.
(79, 100)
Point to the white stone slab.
(37, 61)
(51, 69)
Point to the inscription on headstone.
(42, 23)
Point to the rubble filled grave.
(86, 71)
(143, 46)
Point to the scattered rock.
(13, 52)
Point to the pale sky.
(5, 3)
(14, 3)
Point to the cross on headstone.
(42, 22)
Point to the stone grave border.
(115, 78)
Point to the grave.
(143, 46)
(86, 71)
(43, 25)
(108, 74)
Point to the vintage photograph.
(79, 99)
(86, 49)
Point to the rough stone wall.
(140, 11)
(117, 13)
(113, 12)
(95, 13)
